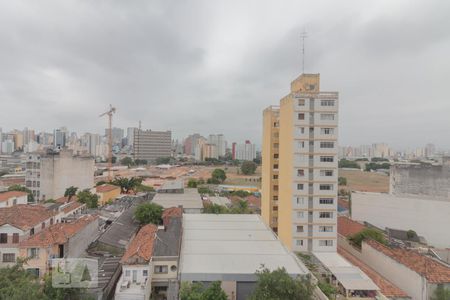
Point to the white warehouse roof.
(231, 248)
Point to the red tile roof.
(57, 233)
(427, 267)
(142, 244)
(73, 205)
(104, 188)
(8, 195)
(253, 200)
(24, 216)
(347, 227)
(386, 287)
(171, 212)
(66, 199)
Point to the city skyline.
(215, 78)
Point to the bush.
(192, 183)
(218, 175)
(248, 167)
(327, 289)
(345, 163)
(342, 181)
(367, 233)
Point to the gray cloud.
(213, 66)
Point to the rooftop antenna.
(303, 36)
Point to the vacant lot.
(365, 181)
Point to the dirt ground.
(365, 181)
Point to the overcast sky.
(213, 66)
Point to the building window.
(43, 225)
(161, 269)
(276, 155)
(9, 257)
(275, 187)
(299, 242)
(326, 131)
(325, 215)
(302, 130)
(127, 273)
(326, 187)
(301, 144)
(326, 172)
(327, 117)
(300, 200)
(301, 102)
(32, 231)
(145, 273)
(327, 243)
(301, 116)
(300, 228)
(326, 145)
(300, 214)
(300, 172)
(275, 176)
(276, 145)
(300, 186)
(326, 102)
(15, 238)
(275, 198)
(325, 228)
(275, 208)
(326, 159)
(275, 166)
(3, 238)
(33, 252)
(326, 200)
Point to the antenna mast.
(303, 36)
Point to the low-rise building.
(190, 200)
(62, 240)
(107, 192)
(8, 199)
(17, 223)
(230, 249)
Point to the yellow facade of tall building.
(301, 203)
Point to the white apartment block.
(49, 175)
(245, 151)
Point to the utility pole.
(109, 113)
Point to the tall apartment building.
(48, 175)
(60, 137)
(219, 141)
(151, 145)
(307, 167)
(270, 166)
(246, 151)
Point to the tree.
(375, 166)
(214, 208)
(241, 193)
(126, 184)
(192, 183)
(219, 175)
(327, 289)
(17, 284)
(70, 192)
(342, 181)
(279, 285)
(367, 233)
(19, 188)
(162, 160)
(240, 207)
(345, 163)
(147, 213)
(198, 291)
(126, 161)
(140, 162)
(411, 234)
(86, 197)
(248, 167)
(441, 293)
(60, 293)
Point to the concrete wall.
(429, 218)
(421, 180)
(406, 279)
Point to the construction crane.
(109, 113)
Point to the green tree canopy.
(345, 163)
(127, 184)
(219, 175)
(85, 196)
(20, 188)
(70, 192)
(376, 166)
(367, 233)
(192, 183)
(198, 291)
(279, 285)
(126, 161)
(342, 181)
(147, 213)
(248, 167)
(163, 160)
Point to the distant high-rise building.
(151, 145)
(219, 141)
(430, 150)
(190, 143)
(60, 137)
(117, 135)
(301, 144)
(130, 135)
(28, 136)
(246, 151)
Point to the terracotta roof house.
(58, 241)
(11, 198)
(106, 192)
